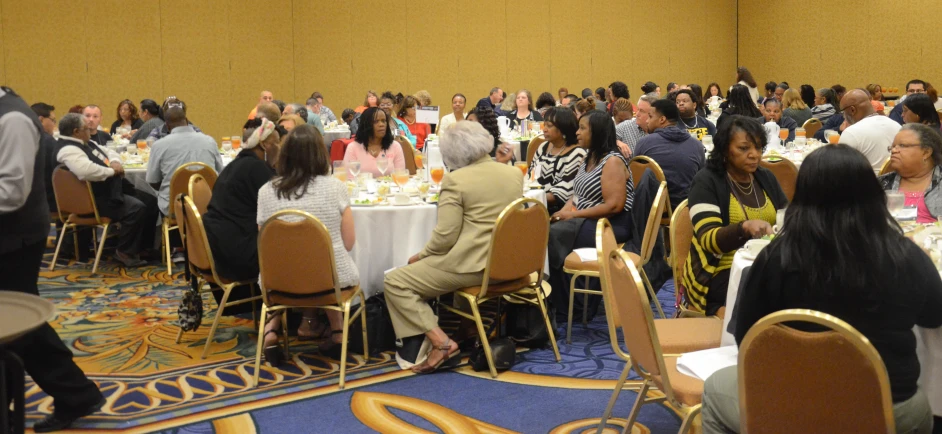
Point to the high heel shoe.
(449, 360)
(331, 349)
(322, 332)
(273, 353)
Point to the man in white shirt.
(102, 167)
(869, 133)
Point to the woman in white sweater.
(458, 103)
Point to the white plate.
(20, 313)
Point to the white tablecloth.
(137, 177)
(387, 236)
(330, 136)
(928, 341)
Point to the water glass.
(353, 168)
(340, 170)
(382, 164)
(895, 202)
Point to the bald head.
(175, 117)
(266, 96)
(856, 105)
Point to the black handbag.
(526, 326)
(379, 328)
(503, 349)
(190, 312)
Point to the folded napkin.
(702, 364)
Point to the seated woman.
(375, 140)
(876, 97)
(304, 183)
(501, 151)
(825, 104)
(622, 111)
(739, 103)
(458, 103)
(230, 217)
(602, 188)
(557, 161)
(371, 100)
(918, 108)
(773, 113)
(128, 120)
(388, 103)
(523, 109)
(840, 252)
(544, 102)
(584, 106)
(456, 255)
(914, 163)
(406, 115)
(795, 108)
(732, 201)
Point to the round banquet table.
(138, 176)
(928, 341)
(331, 135)
(387, 236)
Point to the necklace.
(406, 120)
(748, 190)
(374, 153)
(560, 150)
(695, 123)
(743, 191)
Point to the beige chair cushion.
(321, 299)
(87, 221)
(684, 335)
(500, 288)
(574, 263)
(687, 390)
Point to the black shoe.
(56, 422)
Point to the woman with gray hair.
(473, 194)
(915, 156)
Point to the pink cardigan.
(357, 152)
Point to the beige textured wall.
(217, 55)
(851, 42)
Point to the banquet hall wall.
(851, 42)
(217, 55)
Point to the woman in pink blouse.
(375, 140)
(915, 156)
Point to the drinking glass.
(437, 173)
(382, 164)
(401, 178)
(226, 144)
(783, 135)
(236, 142)
(423, 189)
(382, 190)
(340, 171)
(523, 166)
(833, 137)
(353, 168)
(142, 144)
(800, 132)
(895, 202)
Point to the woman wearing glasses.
(914, 161)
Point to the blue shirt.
(183, 145)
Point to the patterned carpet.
(119, 325)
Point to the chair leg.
(572, 298)
(541, 299)
(611, 401)
(635, 409)
(688, 419)
(179, 336)
(585, 303)
(55, 255)
(101, 247)
(284, 333)
(258, 346)
(647, 283)
(75, 241)
(212, 331)
(483, 334)
(343, 344)
(166, 231)
(366, 348)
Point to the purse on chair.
(190, 312)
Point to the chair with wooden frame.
(785, 173)
(297, 268)
(517, 250)
(178, 184)
(201, 191)
(654, 345)
(74, 198)
(812, 126)
(408, 154)
(535, 144)
(885, 168)
(838, 372)
(681, 231)
(203, 266)
(575, 266)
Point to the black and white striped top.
(557, 172)
(587, 186)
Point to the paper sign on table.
(427, 115)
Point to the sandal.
(331, 349)
(273, 353)
(447, 361)
(316, 334)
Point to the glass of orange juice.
(236, 142)
(833, 137)
(340, 170)
(401, 177)
(437, 173)
(522, 165)
(783, 134)
(800, 132)
(142, 144)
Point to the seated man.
(671, 147)
(162, 131)
(689, 119)
(456, 255)
(869, 134)
(773, 113)
(102, 166)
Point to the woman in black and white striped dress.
(557, 161)
(602, 189)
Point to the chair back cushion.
(197, 246)
(605, 244)
(409, 155)
(295, 254)
(72, 195)
(201, 191)
(812, 126)
(532, 148)
(828, 381)
(785, 173)
(518, 244)
(654, 223)
(681, 235)
(338, 148)
(623, 289)
(180, 179)
(641, 163)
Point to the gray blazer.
(933, 195)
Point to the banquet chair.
(604, 243)
(637, 165)
(885, 168)
(838, 373)
(812, 126)
(178, 184)
(785, 173)
(338, 148)
(654, 345)
(516, 254)
(297, 268)
(203, 266)
(408, 154)
(681, 230)
(575, 266)
(201, 191)
(74, 199)
(535, 143)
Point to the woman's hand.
(414, 259)
(504, 153)
(756, 228)
(563, 215)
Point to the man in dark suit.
(493, 100)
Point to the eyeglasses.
(901, 146)
(912, 91)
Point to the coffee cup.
(401, 199)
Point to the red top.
(420, 131)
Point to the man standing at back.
(869, 133)
(671, 147)
(266, 96)
(24, 226)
